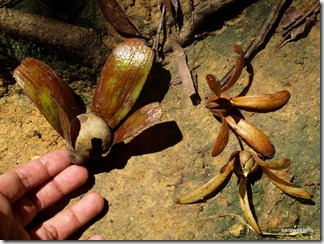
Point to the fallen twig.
(156, 42)
(251, 50)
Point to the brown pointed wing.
(211, 186)
(121, 81)
(286, 186)
(245, 205)
(254, 137)
(138, 121)
(214, 84)
(259, 103)
(221, 139)
(237, 70)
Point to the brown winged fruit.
(244, 164)
(91, 135)
(227, 108)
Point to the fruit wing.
(138, 121)
(45, 89)
(121, 81)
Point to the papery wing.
(221, 139)
(245, 205)
(138, 121)
(237, 69)
(251, 135)
(214, 84)
(259, 103)
(211, 186)
(286, 186)
(43, 87)
(121, 80)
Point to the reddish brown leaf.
(183, 69)
(290, 16)
(138, 121)
(237, 70)
(117, 22)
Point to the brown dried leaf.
(265, 102)
(255, 138)
(290, 16)
(237, 70)
(181, 60)
(138, 121)
(221, 139)
(286, 186)
(116, 20)
(209, 187)
(245, 206)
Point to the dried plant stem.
(156, 42)
(267, 25)
(80, 44)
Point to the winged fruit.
(91, 135)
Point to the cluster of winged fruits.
(244, 163)
(91, 135)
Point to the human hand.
(31, 187)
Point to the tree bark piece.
(77, 43)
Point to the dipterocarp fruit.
(90, 135)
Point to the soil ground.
(144, 177)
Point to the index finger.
(19, 180)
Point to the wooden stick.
(267, 25)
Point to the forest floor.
(145, 176)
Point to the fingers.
(19, 180)
(97, 237)
(68, 221)
(48, 193)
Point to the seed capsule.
(93, 140)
